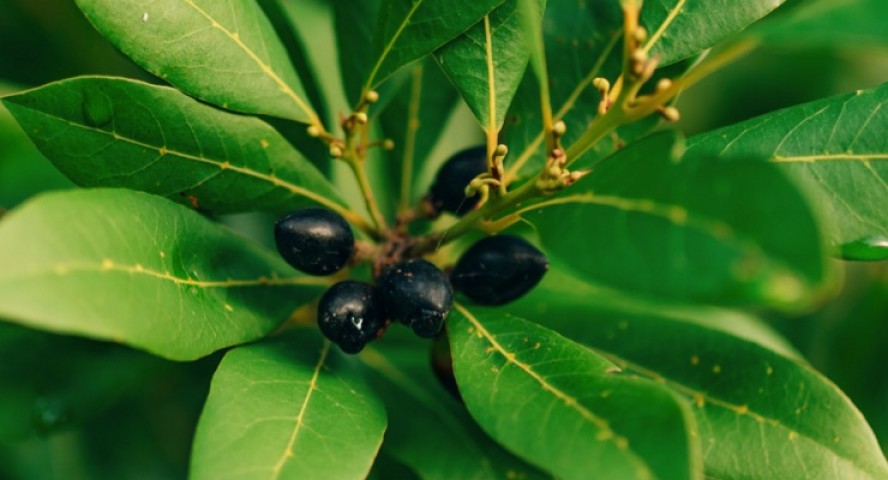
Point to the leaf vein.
(300, 418)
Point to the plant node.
(335, 151)
(670, 114)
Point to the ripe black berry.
(499, 269)
(350, 315)
(417, 294)
(314, 240)
(448, 192)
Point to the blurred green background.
(101, 411)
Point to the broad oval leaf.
(564, 407)
(103, 131)
(410, 29)
(225, 53)
(496, 46)
(428, 431)
(290, 408)
(836, 149)
(137, 269)
(761, 414)
(680, 29)
(646, 221)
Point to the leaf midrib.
(491, 79)
(223, 165)
(312, 386)
(675, 214)
(670, 17)
(108, 266)
(863, 157)
(569, 401)
(388, 48)
(266, 69)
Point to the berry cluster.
(411, 291)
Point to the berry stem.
(354, 153)
(356, 162)
(475, 218)
(628, 107)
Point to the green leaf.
(137, 269)
(410, 29)
(428, 431)
(49, 382)
(761, 414)
(288, 408)
(647, 222)
(103, 131)
(563, 407)
(225, 53)
(830, 23)
(680, 29)
(836, 149)
(847, 342)
(414, 120)
(497, 47)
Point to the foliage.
(645, 352)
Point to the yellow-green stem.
(357, 166)
(472, 220)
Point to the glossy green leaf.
(410, 29)
(137, 269)
(291, 408)
(846, 341)
(429, 431)
(648, 222)
(680, 29)
(830, 23)
(761, 414)
(836, 149)
(103, 131)
(565, 408)
(414, 119)
(223, 52)
(497, 47)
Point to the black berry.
(417, 294)
(314, 240)
(350, 315)
(448, 191)
(499, 269)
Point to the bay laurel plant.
(583, 281)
